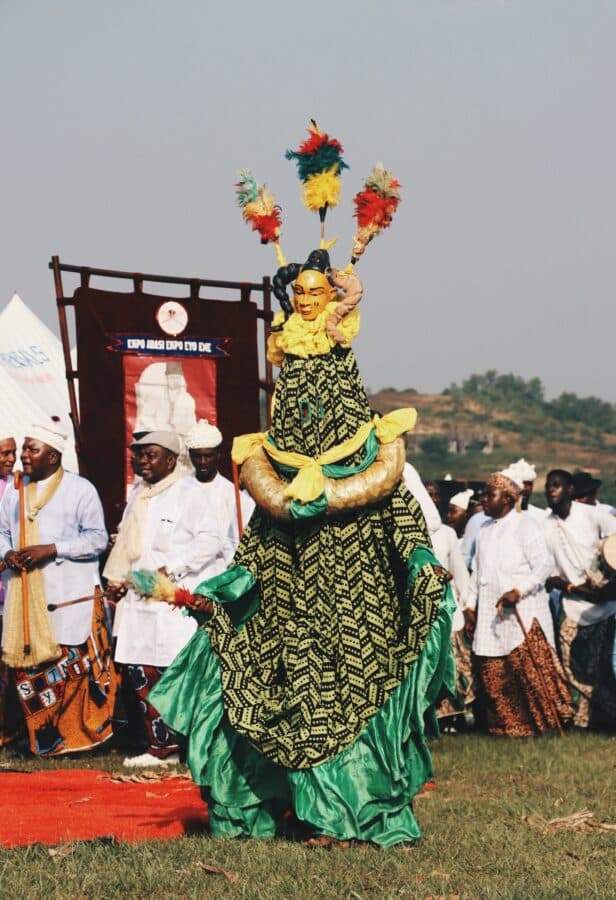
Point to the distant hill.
(490, 420)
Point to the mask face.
(312, 292)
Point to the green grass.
(475, 842)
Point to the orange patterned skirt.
(9, 706)
(515, 698)
(68, 704)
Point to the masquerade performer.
(52, 534)
(520, 679)
(325, 642)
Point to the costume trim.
(369, 485)
(309, 482)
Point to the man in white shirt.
(585, 490)
(466, 526)
(8, 456)
(509, 571)
(65, 679)
(216, 493)
(447, 550)
(573, 531)
(165, 529)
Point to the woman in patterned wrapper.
(324, 644)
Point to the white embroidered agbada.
(73, 520)
(217, 498)
(178, 535)
(415, 485)
(511, 553)
(447, 551)
(536, 513)
(573, 543)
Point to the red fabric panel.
(101, 314)
(82, 804)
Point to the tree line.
(512, 393)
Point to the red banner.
(167, 394)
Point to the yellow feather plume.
(322, 189)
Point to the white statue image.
(165, 404)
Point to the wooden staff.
(539, 671)
(238, 499)
(19, 483)
(52, 607)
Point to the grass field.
(476, 842)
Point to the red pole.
(238, 500)
(25, 607)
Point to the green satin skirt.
(364, 793)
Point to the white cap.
(462, 499)
(525, 470)
(203, 436)
(50, 433)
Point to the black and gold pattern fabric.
(320, 402)
(342, 617)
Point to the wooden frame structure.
(245, 290)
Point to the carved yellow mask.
(311, 293)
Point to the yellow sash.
(43, 645)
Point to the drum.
(607, 557)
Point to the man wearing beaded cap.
(326, 641)
(520, 679)
(56, 637)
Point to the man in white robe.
(509, 571)
(573, 531)
(8, 456)
(466, 526)
(65, 513)
(447, 550)
(216, 494)
(164, 528)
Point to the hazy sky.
(125, 123)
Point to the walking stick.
(539, 671)
(19, 483)
(238, 500)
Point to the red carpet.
(81, 804)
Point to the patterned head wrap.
(506, 485)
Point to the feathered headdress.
(375, 206)
(319, 165)
(260, 210)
